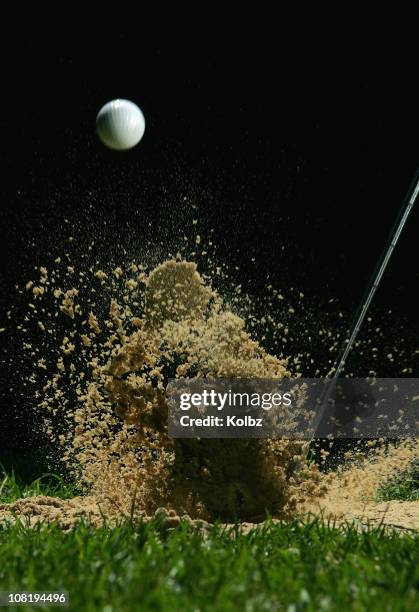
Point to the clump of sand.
(102, 388)
(169, 323)
(184, 331)
(350, 490)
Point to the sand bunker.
(66, 514)
(344, 496)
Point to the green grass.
(291, 567)
(277, 567)
(13, 488)
(404, 487)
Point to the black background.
(295, 133)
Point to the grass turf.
(13, 488)
(292, 567)
(404, 487)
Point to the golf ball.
(120, 124)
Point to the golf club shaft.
(372, 287)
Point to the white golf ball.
(120, 124)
